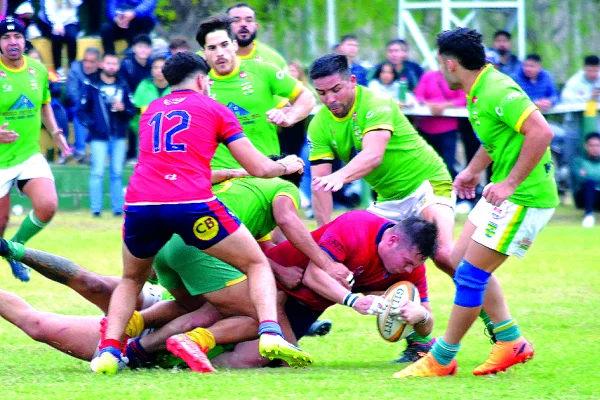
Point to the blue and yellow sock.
(507, 331)
(443, 352)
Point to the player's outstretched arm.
(293, 228)
(369, 158)
(300, 108)
(225, 174)
(259, 165)
(322, 202)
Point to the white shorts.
(35, 166)
(151, 294)
(510, 228)
(413, 204)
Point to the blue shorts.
(148, 227)
(300, 316)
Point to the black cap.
(142, 38)
(11, 24)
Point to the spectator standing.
(586, 179)
(58, 21)
(440, 132)
(509, 63)
(149, 90)
(349, 47)
(134, 69)
(80, 73)
(397, 54)
(106, 109)
(127, 19)
(537, 83)
(585, 84)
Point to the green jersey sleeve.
(514, 108)
(319, 145)
(282, 84)
(46, 97)
(289, 190)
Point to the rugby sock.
(507, 331)
(135, 353)
(12, 250)
(443, 352)
(270, 328)
(416, 338)
(489, 325)
(203, 337)
(29, 228)
(135, 326)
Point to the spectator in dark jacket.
(349, 47)
(134, 69)
(106, 108)
(397, 54)
(537, 83)
(81, 72)
(509, 63)
(127, 19)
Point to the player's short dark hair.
(396, 41)
(179, 42)
(240, 5)
(421, 233)
(534, 57)
(592, 135)
(592, 61)
(294, 178)
(502, 32)
(348, 37)
(464, 44)
(221, 22)
(183, 65)
(328, 65)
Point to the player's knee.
(470, 284)
(33, 326)
(46, 208)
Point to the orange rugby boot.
(190, 352)
(504, 355)
(427, 366)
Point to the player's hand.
(279, 117)
(7, 135)
(61, 143)
(370, 305)
(496, 193)
(340, 273)
(290, 277)
(292, 164)
(465, 183)
(409, 311)
(328, 183)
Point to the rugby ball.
(392, 329)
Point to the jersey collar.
(15, 70)
(252, 52)
(213, 74)
(357, 93)
(487, 68)
(385, 227)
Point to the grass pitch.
(554, 294)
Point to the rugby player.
(515, 207)
(250, 89)
(24, 105)
(170, 193)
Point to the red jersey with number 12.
(179, 134)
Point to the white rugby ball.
(392, 329)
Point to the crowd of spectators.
(90, 93)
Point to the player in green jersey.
(516, 205)
(250, 89)
(24, 105)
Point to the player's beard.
(246, 42)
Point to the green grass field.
(554, 294)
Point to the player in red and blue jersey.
(170, 192)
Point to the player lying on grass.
(375, 250)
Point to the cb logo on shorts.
(206, 228)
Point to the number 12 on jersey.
(164, 140)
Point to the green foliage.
(554, 293)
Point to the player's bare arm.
(259, 165)
(467, 180)
(57, 134)
(225, 174)
(367, 160)
(538, 136)
(319, 281)
(322, 201)
(301, 106)
(294, 230)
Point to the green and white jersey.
(251, 200)
(497, 109)
(23, 92)
(408, 160)
(249, 91)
